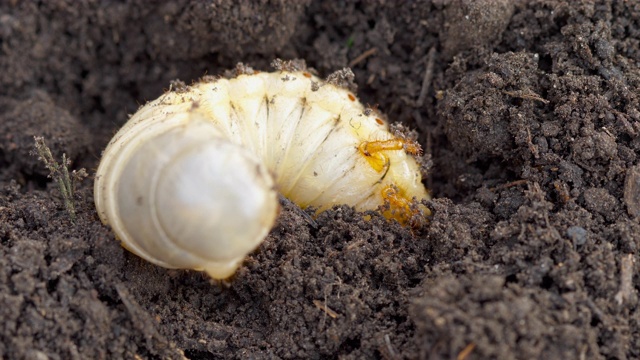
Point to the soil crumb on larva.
(528, 116)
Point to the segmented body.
(320, 144)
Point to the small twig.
(529, 96)
(60, 173)
(285, 201)
(508, 185)
(428, 75)
(354, 245)
(532, 148)
(322, 306)
(466, 351)
(626, 279)
(388, 352)
(145, 324)
(363, 56)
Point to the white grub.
(191, 180)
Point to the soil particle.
(37, 116)
(632, 191)
(529, 113)
(473, 23)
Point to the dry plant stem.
(362, 57)
(626, 279)
(428, 75)
(323, 306)
(524, 95)
(60, 173)
(466, 351)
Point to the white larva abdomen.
(187, 182)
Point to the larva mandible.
(191, 180)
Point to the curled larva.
(191, 180)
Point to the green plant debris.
(350, 42)
(60, 173)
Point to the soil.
(529, 116)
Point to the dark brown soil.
(530, 119)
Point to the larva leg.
(397, 204)
(373, 151)
(398, 207)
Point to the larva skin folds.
(191, 180)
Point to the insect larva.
(191, 180)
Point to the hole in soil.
(108, 300)
(545, 63)
(349, 346)
(52, 285)
(35, 181)
(414, 282)
(193, 354)
(546, 283)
